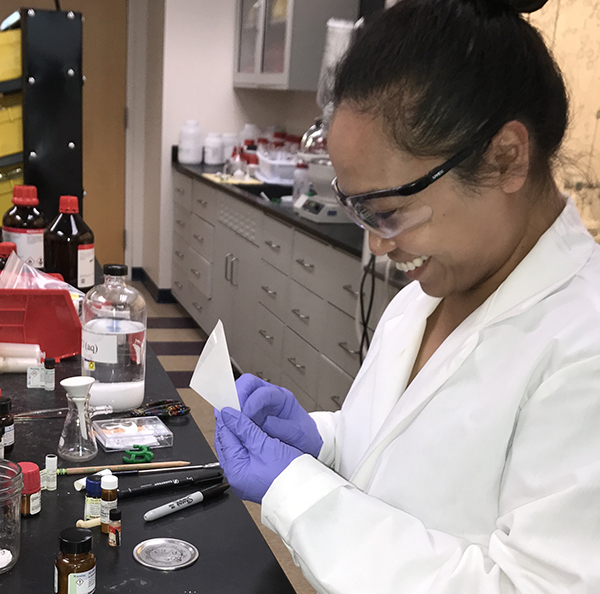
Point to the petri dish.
(165, 554)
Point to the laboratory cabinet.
(279, 43)
(288, 300)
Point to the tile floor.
(177, 341)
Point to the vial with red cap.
(31, 495)
(6, 249)
(24, 224)
(69, 245)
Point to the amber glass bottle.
(75, 567)
(69, 246)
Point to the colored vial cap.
(68, 205)
(115, 269)
(74, 541)
(109, 482)
(25, 196)
(31, 477)
(114, 515)
(93, 485)
(5, 404)
(302, 165)
(7, 248)
(49, 363)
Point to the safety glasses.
(380, 214)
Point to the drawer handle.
(178, 285)
(350, 290)
(273, 246)
(336, 400)
(195, 272)
(198, 238)
(264, 334)
(345, 346)
(202, 202)
(261, 375)
(306, 265)
(179, 255)
(299, 367)
(268, 291)
(198, 307)
(300, 315)
(180, 223)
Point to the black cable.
(365, 316)
(57, 4)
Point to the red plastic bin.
(41, 316)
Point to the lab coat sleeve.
(547, 535)
(326, 425)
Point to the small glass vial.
(31, 496)
(50, 478)
(11, 485)
(8, 422)
(93, 497)
(75, 566)
(109, 485)
(114, 528)
(49, 374)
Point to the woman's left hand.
(250, 458)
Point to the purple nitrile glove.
(250, 458)
(277, 412)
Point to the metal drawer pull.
(305, 264)
(198, 238)
(351, 291)
(336, 400)
(299, 367)
(179, 255)
(202, 202)
(273, 246)
(268, 291)
(180, 223)
(344, 345)
(198, 307)
(178, 285)
(195, 272)
(264, 334)
(261, 375)
(300, 315)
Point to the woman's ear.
(509, 156)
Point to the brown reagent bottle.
(75, 563)
(108, 501)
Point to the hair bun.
(526, 6)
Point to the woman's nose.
(380, 246)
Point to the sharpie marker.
(205, 475)
(197, 497)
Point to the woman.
(466, 457)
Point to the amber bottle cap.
(31, 477)
(68, 205)
(25, 196)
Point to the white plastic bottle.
(213, 149)
(230, 142)
(113, 349)
(301, 180)
(190, 144)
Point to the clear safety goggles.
(389, 212)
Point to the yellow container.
(10, 55)
(9, 178)
(11, 124)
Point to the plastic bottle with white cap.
(190, 144)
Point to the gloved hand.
(277, 412)
(250, 458)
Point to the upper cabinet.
(279, 43)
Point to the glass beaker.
(11, 484)
(77, 441)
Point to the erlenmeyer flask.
(77, 442)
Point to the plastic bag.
(19, 275)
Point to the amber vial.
(8, 422)
(108, 501)
(75, 566)
(31, 495)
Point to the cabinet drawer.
(277, 243)
(179, 284)
(340, 342)
(264, 367)
(310, 263)
(199, 306)
(200, 273)
(306, 313)
(180, 251)
(300, 361)
(334, 385)
(202, 237)
(274, 290)
(306, 402)
(344, 281)
(182, 190)
(205, 201)
(269, 332)
(181, 221)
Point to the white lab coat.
(483, 475)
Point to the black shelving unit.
(11, 160)
(10, 86)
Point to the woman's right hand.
(277, 412)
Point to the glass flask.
(113, 349)
(77, 442)
(11, 483)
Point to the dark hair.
(448, 74)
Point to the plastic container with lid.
(11, 485)
(75, 566)
(69, 246)
(8, 422)
(23, 224)
(301, 180)
(113, 347)
(190, 144)
(31, 496)
(6, 249)
(230, 142)
(213, 149)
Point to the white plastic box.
(274, 170)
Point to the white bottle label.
(9, 435)
(1, 448)
(29, 242)
(35, 503)
(85, 265)
(55, 580)
(82, 583)
(105, 508)
(98, 348)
